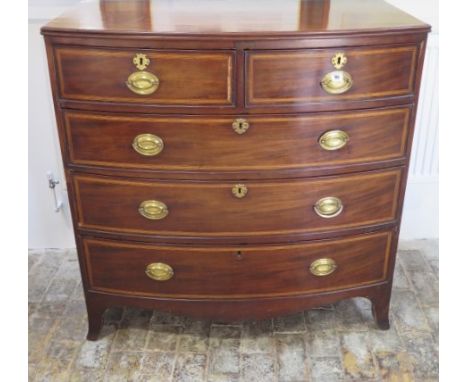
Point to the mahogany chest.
(235, 160)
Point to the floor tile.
(133, 330)
(194, 336)
(123, 366)
(291, 353)
(294, 323)
(395, 366)
(326, 369)
(160, 364)
(162, 337)
(413, 261)
(258, 368)
(224, 345)
(257, 337)
(324, 343)
(357, 358)
(321, 318)
(407, 312)
(190, 367)
(352, 314)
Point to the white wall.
(48, 229)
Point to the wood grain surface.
(209, 208)
(207, 144)
(293, 77)
(186, 77)
(236, 272)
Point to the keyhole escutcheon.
(239, 190)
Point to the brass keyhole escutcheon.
(240, 125)
(141, 61)
(240, 190)
(339, 60)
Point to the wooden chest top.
(236, 18)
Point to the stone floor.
(334, 343)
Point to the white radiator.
(421, 212)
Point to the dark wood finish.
(237, 272)
(209, 144)
(293, 77)
(264, 64)
(186, 77)
(207, 209)
(242, 309)
(245, 19)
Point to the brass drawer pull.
(159, 271)
(240, 125)
(148, 144)
(323, 267)
(142, 83)
(328, 207)
(239, 190)
(333, 140)
(337, 82)
(153, 210)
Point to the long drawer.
(236, 272)
(165, 77)
(208, 144)
(205, 209)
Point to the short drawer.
(236, 272)
(177, 78)
(235, 209)
(207, 144)
(315, 75)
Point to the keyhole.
(141, 60)
(239, 255)
(339, 60)
(239, 191)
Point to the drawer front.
(294, 77)
(251, 271)
(182, 77)
(204, 209)
(212, 144)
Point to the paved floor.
(335, 343)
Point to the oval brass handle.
(142, 82)
(337, 82)
(240, 125)
(153, 209)
(323, 267)
(148, 144)
(159, 271)
(333, 140)
(328, 207)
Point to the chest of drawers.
(235, 165)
